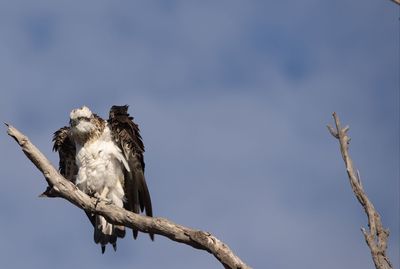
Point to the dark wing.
(67, 166)
(126, 134)
(66, 150)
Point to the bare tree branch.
(377, 236)
(396, 1)
(60, 187)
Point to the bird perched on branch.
(104, 158)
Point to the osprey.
(104, 159)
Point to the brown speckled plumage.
(126, 135)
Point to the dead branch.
(396, 1)
(60, 187)
(377, 236)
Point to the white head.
(81, 120)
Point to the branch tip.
(364, 231)
(396, 1)
(332, 131)
(43, 195)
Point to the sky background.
(232, 98)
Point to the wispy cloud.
(232, 99)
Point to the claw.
(103, 249)
(102, 197)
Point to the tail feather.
(106, 233)
(120, 231)
(135, 233)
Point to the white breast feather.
(100, 164)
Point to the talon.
(97, 202)
(99, 199)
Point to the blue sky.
(232, 98)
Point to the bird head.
(82, 120)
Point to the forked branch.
(60, 187)
(376, 236)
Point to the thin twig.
(377, 236)
(60, 187)
(396, 1)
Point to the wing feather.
(127, 136)
(66, 150)
(67, 165)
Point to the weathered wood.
(60, 187)
(376, 236)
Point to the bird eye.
(83, 119)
